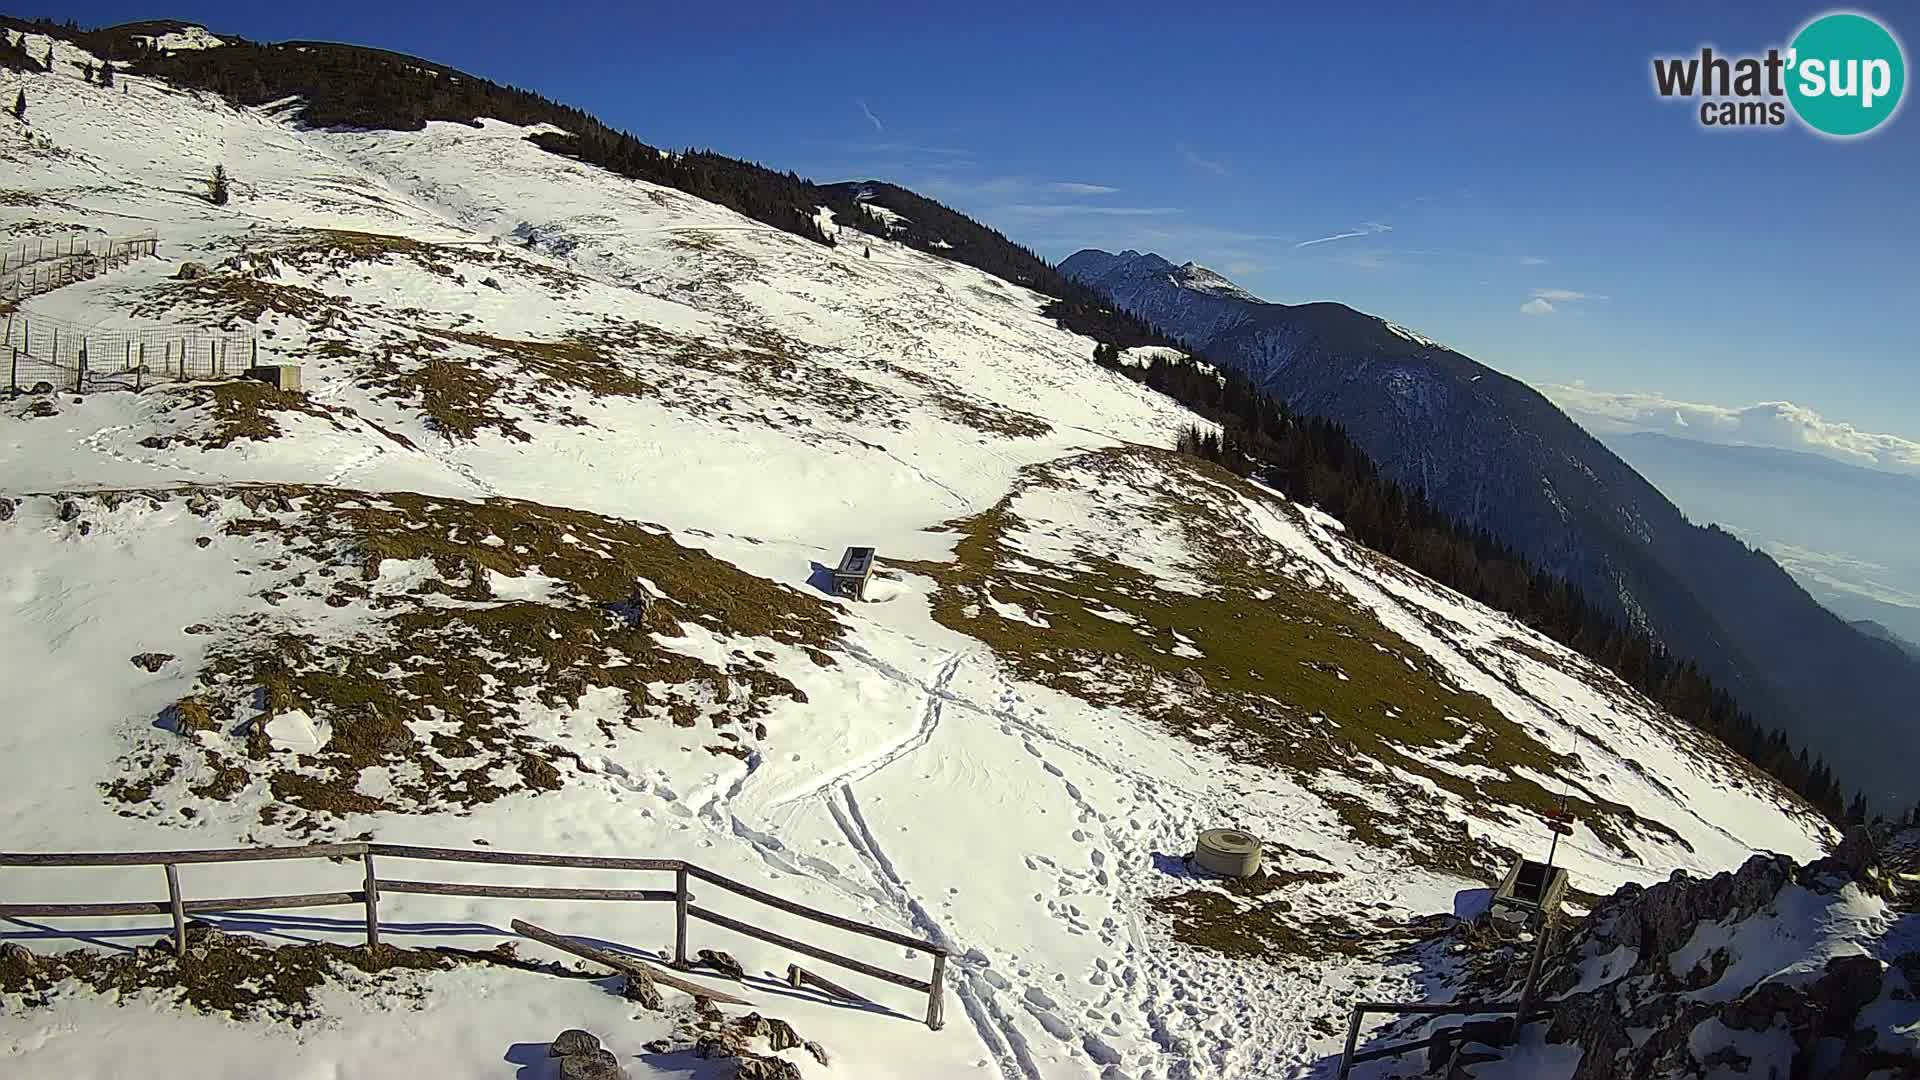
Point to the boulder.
(720, 962)
(152, 661)
(766, 1068)
(596, 1064)
(640, 989)
(781, 1036)
(192, 271)
(573, 1041)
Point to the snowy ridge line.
(372, 887)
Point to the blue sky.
(1482, 161)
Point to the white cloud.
(1536, 306)
(1779, 424)
(1365, 228)
(1532, 260)
(1068, 187)
(1562, 296)
(1198, 162)
(868, 113)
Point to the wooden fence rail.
(372, 886)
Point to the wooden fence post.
(1353, 1040)
(680, 917)
(179, 912)
(373, 905)
(936, 998)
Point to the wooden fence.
(371, 886)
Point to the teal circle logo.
(1846, 74)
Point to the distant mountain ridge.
(1494, 452)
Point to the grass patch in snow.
(231, 974)
(1296, 675)
(381, 625)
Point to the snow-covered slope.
(1493, 453)
(405, 604)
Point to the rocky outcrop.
(1769, 970)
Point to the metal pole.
(1533, 975)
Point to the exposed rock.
(595, 1064)
(152, 661)
(192, 271)
(781, 1036)
(641, 990)
(819, 1052)
(86, 528)
(43, 407)
(69, 510)
(751, 1026)
(573, 1041)
(766, 1068)
(720, 962)
(203, 541)
(716, 1046)
(201, 504)
(6, 509)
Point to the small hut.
(1530, 889)
(855, 570)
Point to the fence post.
(373, 905)
(936, 993)
(1353, 1040)
(179, 912)
(680, 917)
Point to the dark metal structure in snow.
(855, 570)
(1530, 890)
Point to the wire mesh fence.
(32, 266)
(67, 356)
(28, 250)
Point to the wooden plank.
(270, 903)
(798, 977)
(624, 964)
(815, 914)
(519, 858)
(352, 850)
(179, 912)
(804, 949)
(165, 907)
(523, 892)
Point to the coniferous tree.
(86, 71)
(49, 56)
(217, 192)
(106, 75)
